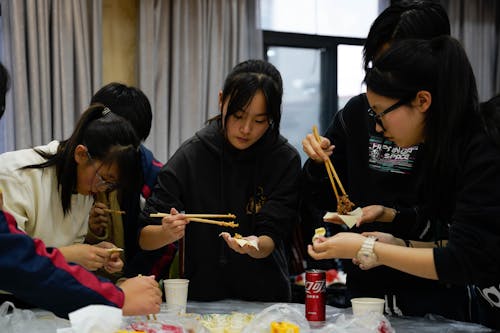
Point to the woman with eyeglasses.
(121, 229)
(41, 277)
(50, 189)
(459, 186)
(381, 178)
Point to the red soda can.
(315, 295)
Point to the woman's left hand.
(233, 244)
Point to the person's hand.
(365, 267)
(174, 225)
(370, 214)
(246, 249)
(142, 296)
(344, 245)
(318, 152)
(89, 256)
(114, 262)
(384, 237)
(98, 219)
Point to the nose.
(246, 126)
(379, 128)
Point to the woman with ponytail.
(424, 92)
(41, 277)
(50, 189)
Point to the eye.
(238, 115)
(261, 121)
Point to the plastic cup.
(176, 291)
(364, 305)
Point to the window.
(339, 18)
(317, 46)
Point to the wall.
(119, 41)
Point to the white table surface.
(46, 322)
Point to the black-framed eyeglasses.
(102, 184)
(378, 117)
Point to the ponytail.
(108, 137)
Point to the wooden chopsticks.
(113, 211)
(208, 216)
(205, 218)
(344, 205)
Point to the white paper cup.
(363, 305)
(176, 291)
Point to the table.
(46, 322)
(430, 324)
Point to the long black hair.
(244, 81)
(490, 118)
(441, 67)
(4, 86)
(423, 19)
(108, 137)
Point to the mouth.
(244, 140)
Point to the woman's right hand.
(98, 219)
(317, 151)
(89, 256)
(174, 225)
(142, 296)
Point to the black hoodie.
(259, 185)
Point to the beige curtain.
(476, 24)
(52, 49)
(186, 48)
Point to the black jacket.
(259, 185)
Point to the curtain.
(186, 48)
(476, 23)
(52, 49)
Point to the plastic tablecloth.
(428, 324)
(45, 322)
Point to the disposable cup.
(363, 305)
(176, 291)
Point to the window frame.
(329, 57)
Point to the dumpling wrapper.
(318, 232)
(350, 220)
(242, 241)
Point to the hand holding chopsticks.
(344, 205)
(206, 218)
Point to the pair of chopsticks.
(113, 211)
(341, 200)
(206, 218)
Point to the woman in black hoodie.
(238, 163)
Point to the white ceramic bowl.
(363, 305)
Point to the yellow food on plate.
(318, 232)
(226, 323)
(283, 327)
